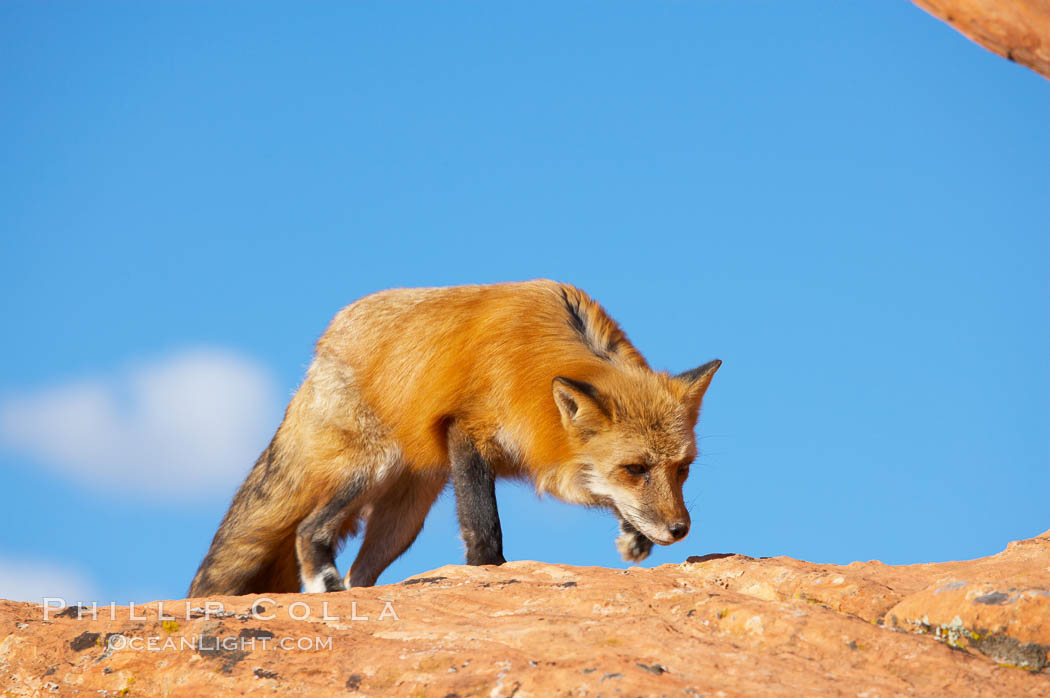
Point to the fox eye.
(635, 469)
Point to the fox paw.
(327, 580)
(633, 546)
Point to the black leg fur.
(317, 536)
(633, 546)
(475, 486)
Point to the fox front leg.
(633, 546)
(475, 486)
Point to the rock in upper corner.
(1018, 30)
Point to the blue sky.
(848, 203)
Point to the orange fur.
(485, 355)
(396, 369)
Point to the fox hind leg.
(393, 524)
(318, 535)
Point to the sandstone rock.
(1016, 29)
(715, 625)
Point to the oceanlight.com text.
(211, 643)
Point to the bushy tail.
(254, 549)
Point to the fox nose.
(678, 529)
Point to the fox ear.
(582, 407)
(696, 382)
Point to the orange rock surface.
(1015, 29)
(716, 625)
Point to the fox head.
(633, 443)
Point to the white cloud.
(179, 427)
(32, 580)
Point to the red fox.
(408, 387)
